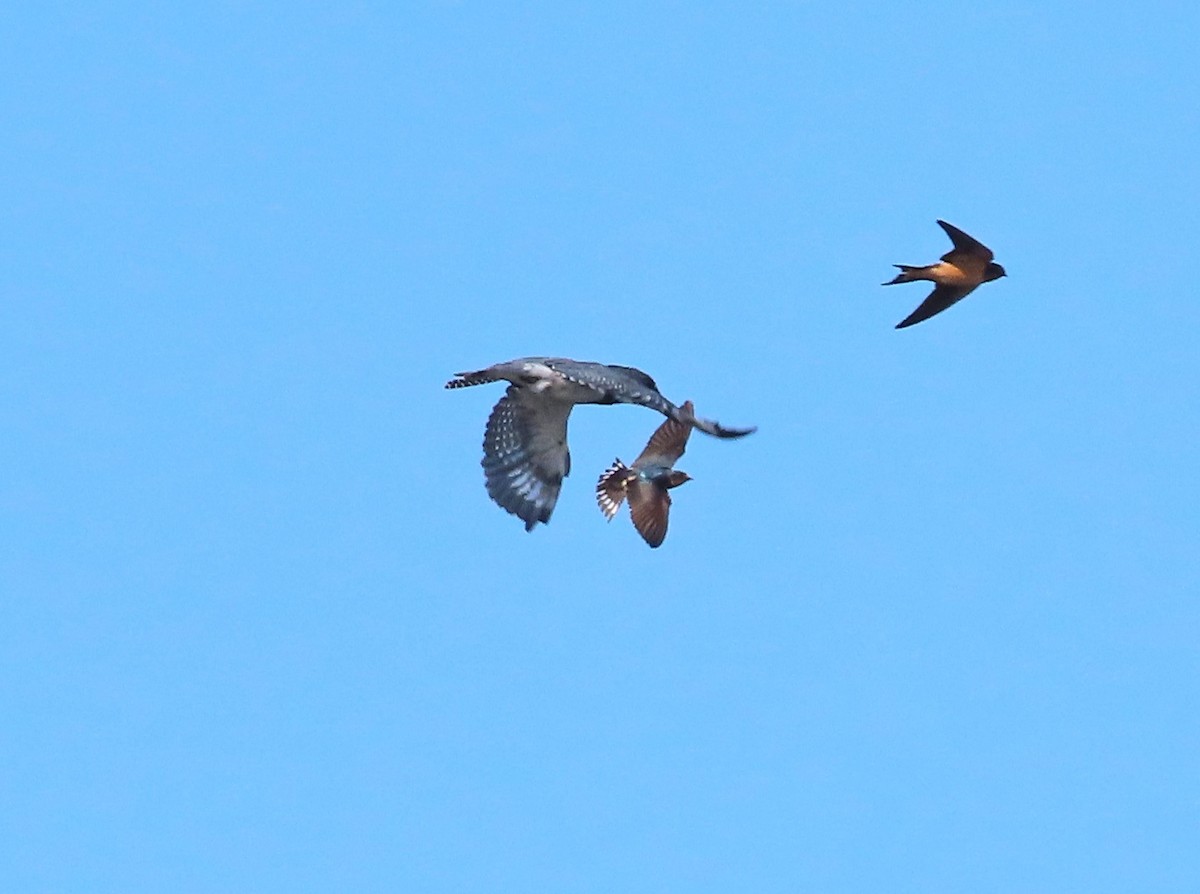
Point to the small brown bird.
(647, 481)
(961, 271)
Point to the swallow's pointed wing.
(649, 506)
(525, 455)
(939, 299)
(965, 248)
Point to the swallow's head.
(993, 271)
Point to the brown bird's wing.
(968, 254)
(649, 505)
(667, 443)
(939, 299)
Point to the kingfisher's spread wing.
(626, 385)
(525, 456)
(617, 384)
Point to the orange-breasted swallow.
(646, 482)
(960, 272)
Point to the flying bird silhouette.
(647, 481)
(960, 271)
(525, 455)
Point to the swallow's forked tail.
(611, 488)
(907, 274)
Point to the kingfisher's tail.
(478, 377)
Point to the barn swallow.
(961, 271)
(646, 482)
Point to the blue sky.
(932, 628)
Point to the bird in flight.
(960, 271)
(525, 455)
(646, 482)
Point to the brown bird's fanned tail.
(611, 488)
